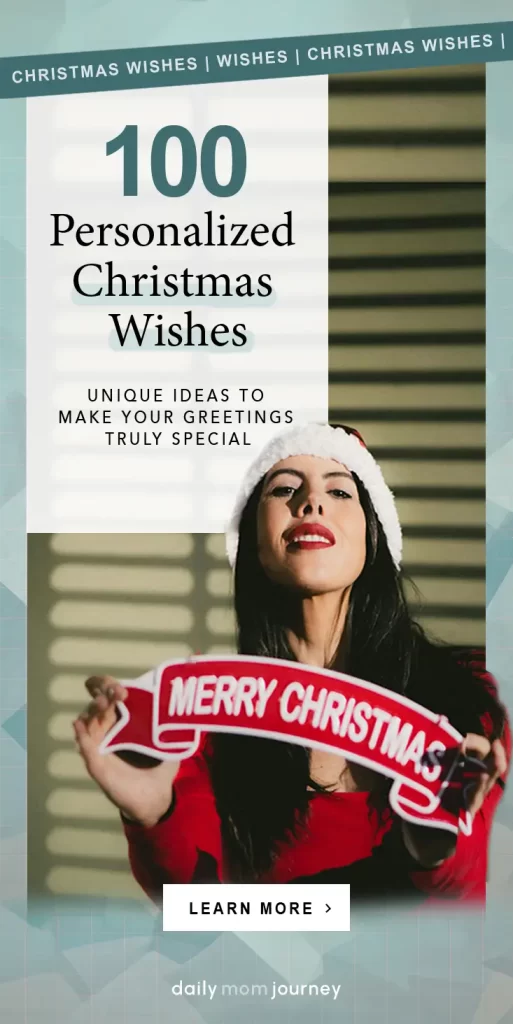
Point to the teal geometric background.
(90, 964)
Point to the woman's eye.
(339, 493)
(283, 491)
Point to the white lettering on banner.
(167, 712)
(309, 704)
(264, 693)
(381, 716)
(361, 715)
(328, 710)
(225, 691)
(181, 700)
(415, 750)
(396, 739)
(206, 695)
(334, 704)
(347, 716)
(291, 714)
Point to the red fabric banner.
(168, 709)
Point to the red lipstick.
(310, 537)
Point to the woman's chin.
(313, 574)
(318, 575)
(316, 584)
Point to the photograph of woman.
(315, 545)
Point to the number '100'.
(127, 140)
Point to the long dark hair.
(262, 786)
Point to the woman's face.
(310, 525)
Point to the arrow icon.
(328, 908)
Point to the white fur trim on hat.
(326, 442)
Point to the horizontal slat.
(416, 415)
(419, 222)
(68, 688)
(413, 339)
(439, 512)
(87, 843)
(430, 110)
(406, 396)
(405, 319)
(445, 531)
(412, 434)
(452, 552)
(124, 616)
(395, 243)
(460, 493)
(59, 727)
(386, 135)
(216, 545)
(82, 881)
(429, 454)
(100, 656)
(465, 612)
(67, 764)
(400, 261)
(449, 592)
(409, 300)
(468, 633)
(393, 282)
(459, 75)
(425, 474)
(221, 621)
(394, 376)
(84, 577)
(227, 647)
(360, 188)
(402, 357)
(88, 804)
(404, 163)
(428, 202)
(123, 545)
(442, 572)
(219, 582)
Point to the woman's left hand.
(431, 846)
(493, 756)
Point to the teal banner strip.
(102, 70)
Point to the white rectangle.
(256, 908)
(74, 350)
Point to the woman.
(316, 545)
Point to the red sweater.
(343, 840)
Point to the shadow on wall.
(104, 604)
(407, 315)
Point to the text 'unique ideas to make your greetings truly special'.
(177, 295)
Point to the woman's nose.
(310, 505)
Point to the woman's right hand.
(139, 786)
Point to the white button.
(256, 908)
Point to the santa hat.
(343, 444)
